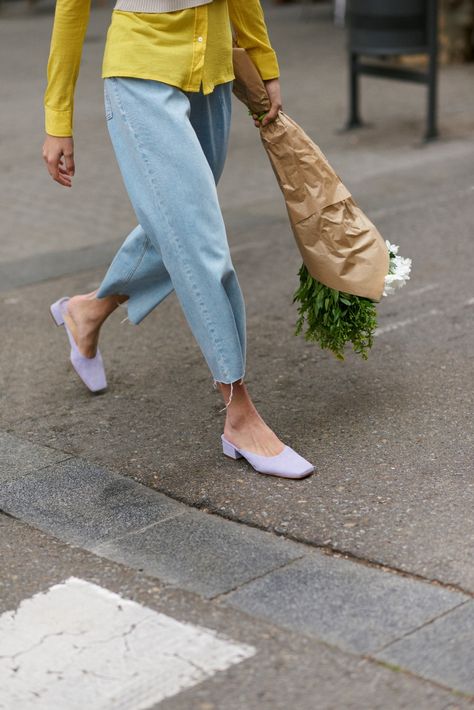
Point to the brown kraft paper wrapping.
(338, 243)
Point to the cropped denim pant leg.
(171, 147)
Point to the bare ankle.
(94, 311)
(238, 419)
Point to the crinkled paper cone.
(339, 245)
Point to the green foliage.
(333, 318)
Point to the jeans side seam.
(133, 270)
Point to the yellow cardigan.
(188, 49)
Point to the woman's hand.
(58, 154)
(274, 94)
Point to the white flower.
(398, 270)
(392, 247)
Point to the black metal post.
(432, 78)
(354, 115)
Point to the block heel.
(56, 312)
(230, 450)
(287, 464)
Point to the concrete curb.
(347, 604)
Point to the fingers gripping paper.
(339, 245)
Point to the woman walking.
(167, 71)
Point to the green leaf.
(332, 318)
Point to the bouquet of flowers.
(347, 267)
(334, 318)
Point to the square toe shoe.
(90, 369)
(287, 464)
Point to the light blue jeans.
(171, 147)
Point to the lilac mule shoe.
(90, 369)
(287, 464)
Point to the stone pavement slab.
(442, 651)
(19, 457)
(347, 604)
(357, 608)
(202, 553)
(289, 670)
(129, 523)
(84, 504)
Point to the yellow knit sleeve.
(71, 18)
(251, 33)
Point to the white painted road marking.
(408, 321)
(418, 291)
(422, 316)
(80, 646)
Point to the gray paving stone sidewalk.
(289, 669)
(360, 609)
(19, 457)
